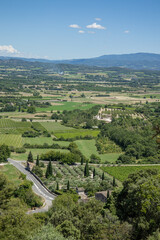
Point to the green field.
(38, 140)
(11, 140)
(55, 127)
(9, 126)
(66, 106)
(76, 132)
(121, 173)
(87, 147)
(11, 173)
(35, 152)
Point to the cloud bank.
(8, 49)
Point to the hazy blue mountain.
(133, 61)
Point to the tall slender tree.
(49, 171)
(37, 160)
(94, 172)
(30, 157)
(114, 182)
(68, 185)
(86, 170)
(57, 187)
(103, 176)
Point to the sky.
(69, 29)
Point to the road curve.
(37, 187)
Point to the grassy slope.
(11, 140)
(12, 173)
(87, 147)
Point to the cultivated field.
(121, 172)
(14, 140)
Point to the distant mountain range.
(132, 61)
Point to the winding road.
(38, 188)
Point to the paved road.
(37, 187)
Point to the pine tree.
(114, 182)
(37, 160)
(103, 176)
(30, 157)
(94, 172)
(86, 170)
(68, 185)
(57, 187)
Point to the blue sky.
(66, 29)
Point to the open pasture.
(121, 172)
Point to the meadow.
(35, 152)
(121, 172)
(69, 106)
(11, 173)
(87, 147)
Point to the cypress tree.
(86, 170)
(94, 172)
(103, 176)
(37, 160)
(50, 168)
(82, 161)
(47, 172)
(114, 182)
(57, 187)
(30, 157)
(107, 194)
(68, 185)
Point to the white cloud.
(91, 32)
(98, 19)
(126, 31)
(95, 26)
(74, 26)
(81, 31)
(8, 49)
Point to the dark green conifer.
(30, 157)
(49, 171)
(94, 172)
(37, 160)
(86, 170)
(57, 187)
(114, 182)
(108, 194)
(68, 185)
(82, 161)
(103, 176)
